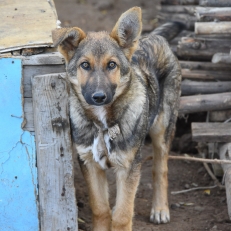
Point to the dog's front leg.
(127, 183)
(98, 193)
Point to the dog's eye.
(85, 66)
(111, 65)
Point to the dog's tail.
(169, 30)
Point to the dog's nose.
(99, 97)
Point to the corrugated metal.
(26, 23)
(18, 174)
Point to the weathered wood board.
(26, 23)
(18, 174)
(57, 203)
(211, 132)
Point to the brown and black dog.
(122, 88)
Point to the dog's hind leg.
(127, 182)
(98, 193)
(161, 145)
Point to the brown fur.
(139, 95)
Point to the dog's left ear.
(67, 40)
(127, 30)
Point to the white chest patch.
(101, 114)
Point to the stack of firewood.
(204, 53)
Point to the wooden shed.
(36, 170)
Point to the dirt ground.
(192, 211)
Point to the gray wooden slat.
(29, 71)
(211, 132)
(58, 210)
(28, 115)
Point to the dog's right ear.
(67, 40)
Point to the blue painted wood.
(18, 174)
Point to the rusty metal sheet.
(26, 24)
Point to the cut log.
(187, 19)
(212, 27)
(211, 132)
(225, 154)
(205, 66)
(189, 87)
(213, 14)
(219, 116)
(178, 9)
(206, 75)
(199, 103)
(57, 203)
(215, 3)
(180, 2)
(202, 49)
(221, 58)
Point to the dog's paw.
(160, 216)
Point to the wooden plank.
(212, 27)
(18, 172)
(205, 75)
(28, 124)
(29, 71)
(205, 66)
(198, 103)
(225, 154)
(189, 87)
(31, 20)
(211, 132)
(216, 3)
(211, 14)
(189, 9)
(54, 58)
(58, 210)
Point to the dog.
(122, 87)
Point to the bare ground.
(197, 210)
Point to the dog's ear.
(127, 30)
(67, 40)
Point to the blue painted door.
(18, 175)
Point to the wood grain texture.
(211, 132)
(205, 74)
(31, 20)
(219, 116)
(189, 87)
(212, 27)
(210, 14)
(58, 210)
(225, 154)
(215, 3)
(199, 103)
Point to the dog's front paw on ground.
(160, 216)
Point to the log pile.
(203, 49)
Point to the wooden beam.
(199, 103)
(205, 75)
(189, 87)
(57, 203)
(205, 66)
(216, 3)
(211, 132)
(212, 27)
(211, 14)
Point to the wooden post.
(225, 154)
(57, 203)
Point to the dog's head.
(99, 62)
